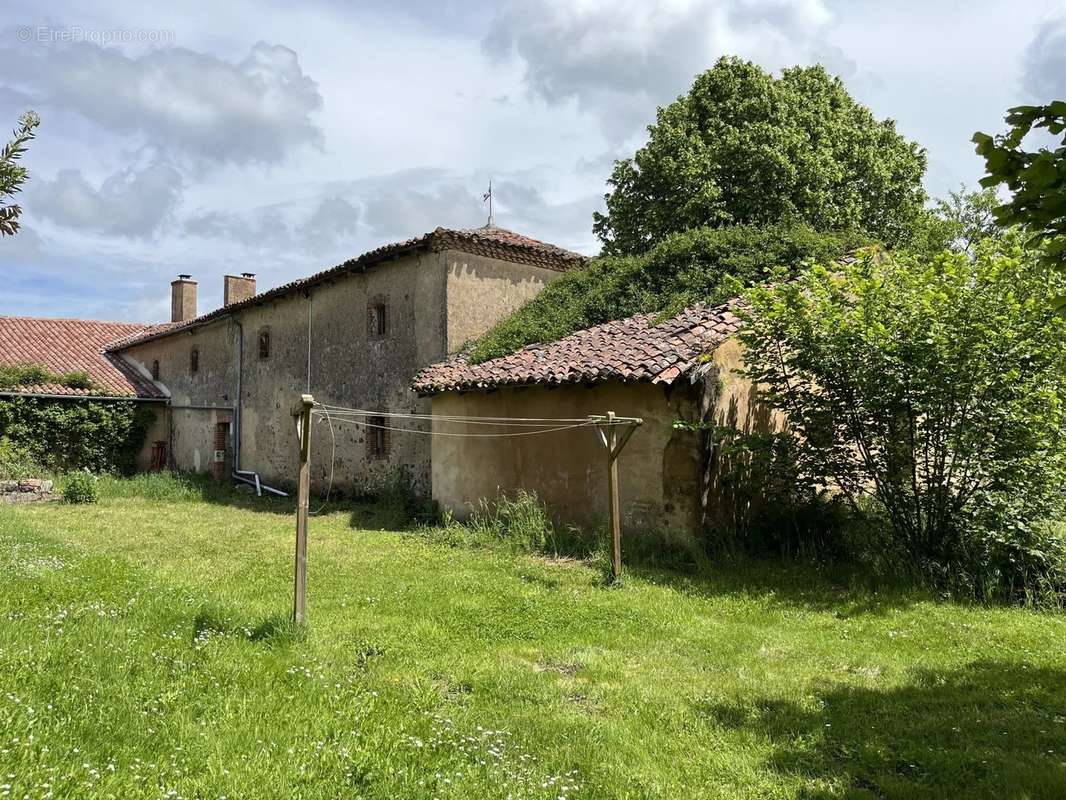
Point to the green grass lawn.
(144, 652)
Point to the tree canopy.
(1036, 179)
(13, 174)
(743, 147)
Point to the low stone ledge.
(27, 490)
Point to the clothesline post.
(607, 427)
(302, 412)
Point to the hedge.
(63, 435)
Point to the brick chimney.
(236, 289)
(183, 299)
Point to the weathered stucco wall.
(349, 366)
(190, 434)
(659, 469)
(434, 302)
(670, 480)
(482, 291)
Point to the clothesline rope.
(341, 411)
(500, 435)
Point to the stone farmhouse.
(384, 332)
(354, 335)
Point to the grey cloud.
(133, 202)
(332, 221)
(1045, 62)
(399, 212)
(622, 62)
(181, 101)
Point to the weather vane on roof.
(487, 197)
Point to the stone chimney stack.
(183, 299)
(236, 289)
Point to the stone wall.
(321, 341)
(30, 490)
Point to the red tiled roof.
(70, 345)
(631, 349)
(490, 241)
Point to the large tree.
(743, 147)
(1036, 179)
(13, 174)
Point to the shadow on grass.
(846, 592)
(990, 729)
(272, 630)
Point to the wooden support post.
(612, 498)
(614, 444)
(303, 428)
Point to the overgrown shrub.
(700, 265)
(522, 521)
(14, 376)
(80, 487)
(937, 389)
(65, 435)
(763, 504)
(16, 462)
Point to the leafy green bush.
(16, 462)
(65, 435)
(14, 376)
(80, 487)
(936, 388)
(701, 265)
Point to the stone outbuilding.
(682, 369)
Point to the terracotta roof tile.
(70, 345)
(489, 241)
(631, 349)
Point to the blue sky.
(282, 138)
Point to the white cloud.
(619, 60)
(131, 203)
(181, 101)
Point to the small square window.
(264, 344)
(194, 360)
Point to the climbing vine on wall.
(61, 435)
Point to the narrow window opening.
(377, 438)
(194, 360)
(377, 319)
(264, 344)
(155, 370)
